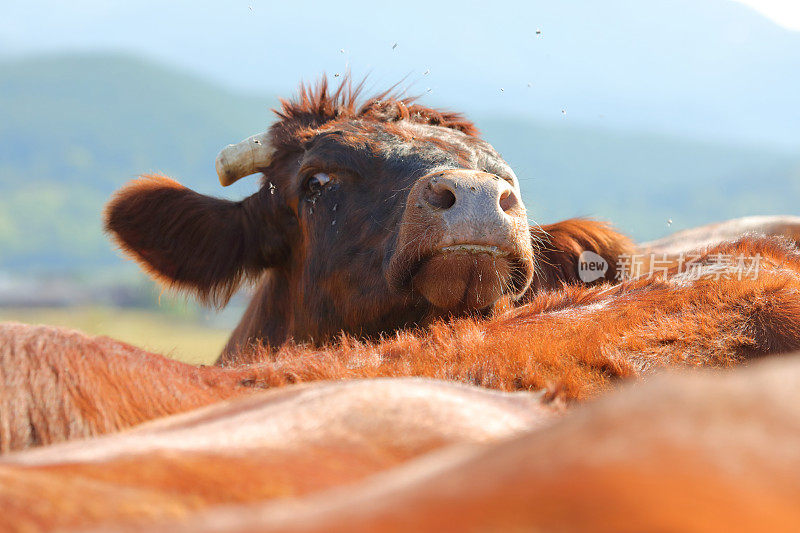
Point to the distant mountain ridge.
(75, 127)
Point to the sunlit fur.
(693, 452)
(316, 105)
(573, 343)
(715, 452)
(288, 442)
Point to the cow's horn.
(236, 161)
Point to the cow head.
(375, 216)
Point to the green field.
(180, 338)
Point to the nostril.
(448, 199)
(440, 197)
(508, 200)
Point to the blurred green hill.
(73, 128)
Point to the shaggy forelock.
(318, 103)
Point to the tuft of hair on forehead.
(318, 103)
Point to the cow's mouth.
(467, 276)
(475, 249)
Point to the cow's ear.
(196, 243)
(558, 248)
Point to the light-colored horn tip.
(223, 171)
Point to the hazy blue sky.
(705, 68)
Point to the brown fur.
(57, 385)
(288, 442)
(576, 343)
(705, 453)
(558, 246)
(172, 245)
(318, 105)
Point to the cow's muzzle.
(464, 241)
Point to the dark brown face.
(400, 222)
(369, 219)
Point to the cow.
(276, 444)
(693, 239)
(574, 343)
(711, 451)
(371, 217)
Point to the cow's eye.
(316, 182)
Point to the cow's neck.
(273, 317)
(267, 317)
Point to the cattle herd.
(417, 355)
